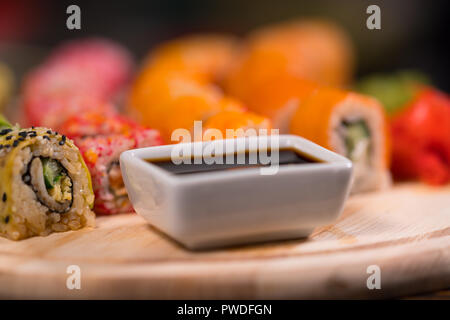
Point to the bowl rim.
(331, 160)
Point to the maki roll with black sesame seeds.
(45, 184)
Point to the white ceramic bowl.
(230, 207)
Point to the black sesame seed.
(63, 140)
(23, 134)
(32, 127)
(4, 198)
(16, 143)
(8, 137)
(49, 131)
(33, 134)
(6, 219)
(5, 131)
(46, 137)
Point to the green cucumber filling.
(52, 171)
(57, 182)
(356, 136)
(51, 183)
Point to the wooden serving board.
(405, 231)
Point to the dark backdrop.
(414, 33)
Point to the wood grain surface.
(405, 231)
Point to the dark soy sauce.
(246, 160)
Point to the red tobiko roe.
(98, 123)
(101, 137)
(421, 139)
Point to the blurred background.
(414, 33)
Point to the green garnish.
(4, 124)
(52, 171)
(394, 91)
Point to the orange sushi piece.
(234, 120)
(352, 125)
(177, 86)
(171, 101)
(314, 50)
(205, 58)
(279, 98)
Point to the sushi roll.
(234, 116)
(104, 65)
(45, 184)
(79, 76)
(168, 101)
(278, 99)
(204, 57)
(102, 138)
(178, 86)
(314, 50)
(352, 125)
